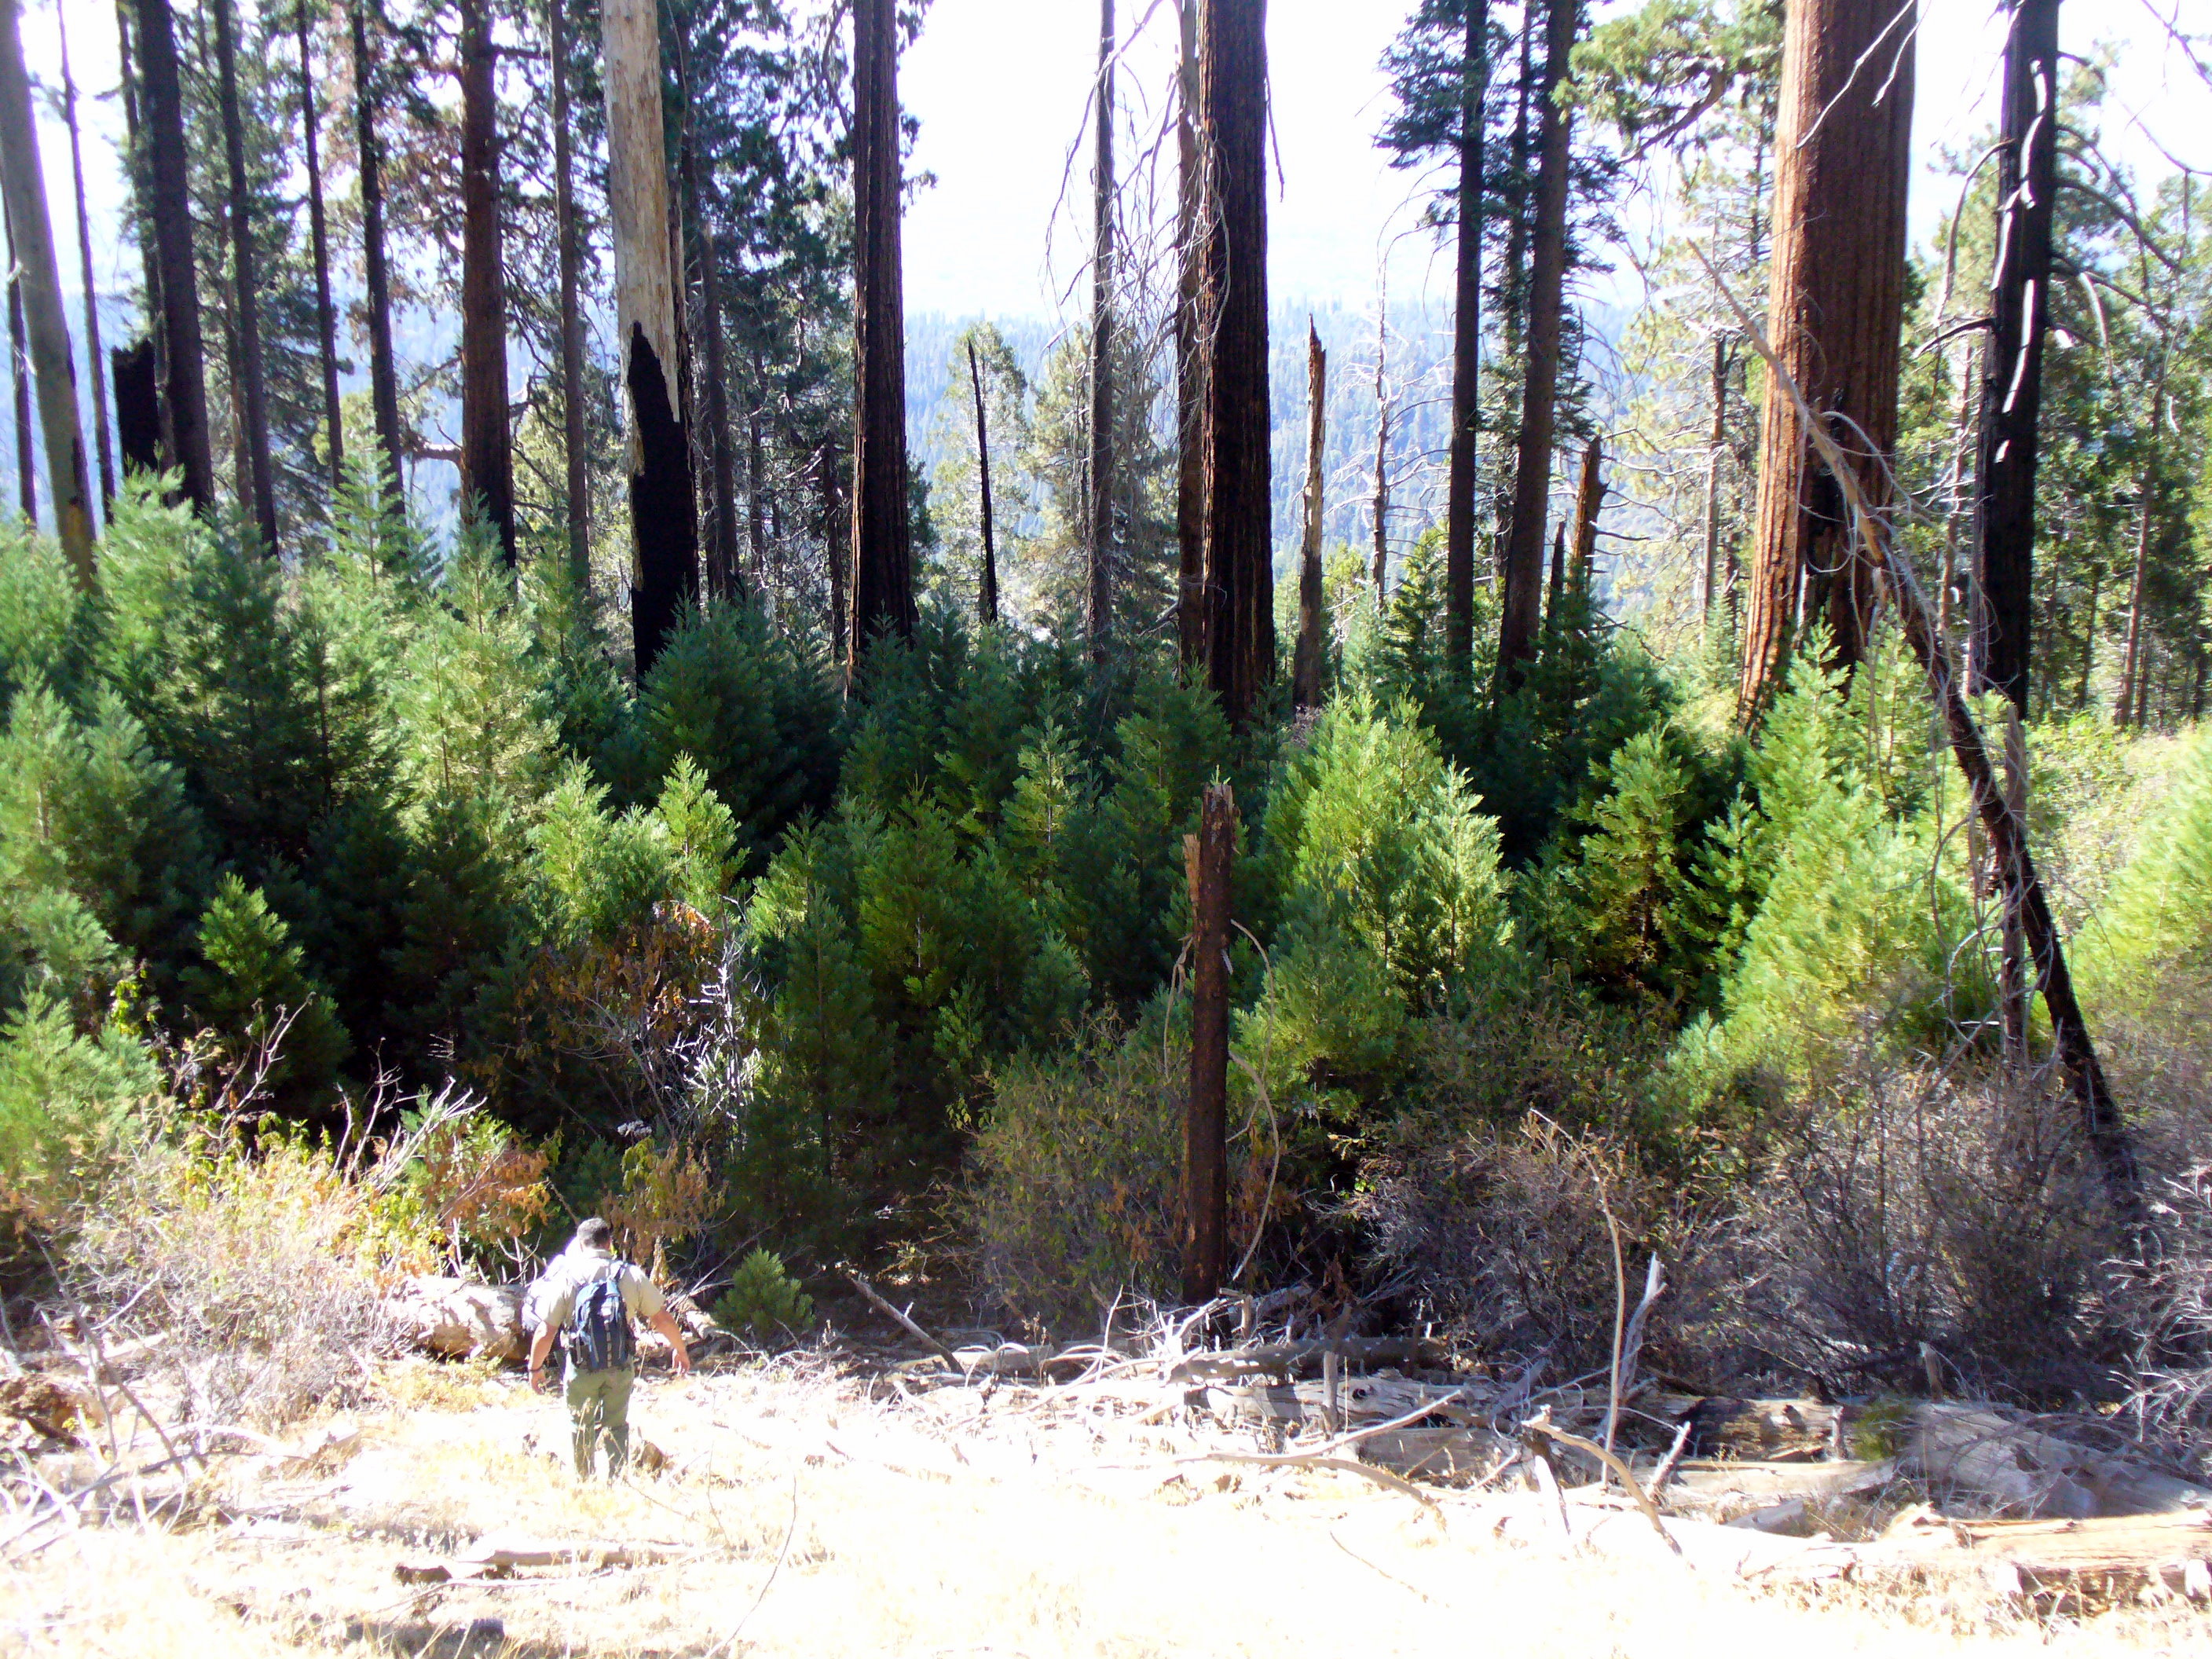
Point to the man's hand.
(679, 1354)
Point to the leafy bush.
(763, 1299)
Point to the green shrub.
(251, 978)
(764, 1299)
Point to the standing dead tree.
(1208, 855)
(376, 269)
(102, 446)
(326, 325)
(986, 591)
(258, 483)
(487, 443)
(1313, 618)
(574, 453)
(1100, 538)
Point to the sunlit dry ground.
(798, 1519)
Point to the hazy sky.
(999, 88)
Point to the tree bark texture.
(836, 556)
(168, 210)
(45, 321)
(19, 380)
(383, 363)
(486, 444)
(664, 525)
(1100, 609)
(1716, 445)
(2012, 368)
(1233, 320)
(1835, 307)
(1520, 613)
(1466, 353)
(724, 577)
(1208, 856)
(1190, 350)
(103, 446)
(138, 406)
(1589, 501)
(987, 590)
(1309, 659)
(883, 552)
(1381, 504)
(326, 325)
(258, 485)
(575, 453)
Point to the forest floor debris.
(859, 1502)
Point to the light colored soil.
(818, 1522)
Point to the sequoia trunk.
(1466, 353)
(168, 210)
(258, 486)
(487, 447)
(883, 554)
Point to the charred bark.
(1233, 321)
(326, 323)
(168, 210)
(1466, 353)
(986, 591)
(1835, 307)
(1589, 501)
(575, 453)
(2012, 368)
(137, 407)
(383, 363)
(883, 553)
(1520, 612)
(486, 445)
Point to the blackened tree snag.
(987, 590)
(1100, 613)
(326, 323)
(1466, 353)
(1240, 643)
(383, 364)
(2012, 368)
(25, 183)
(1521, 613)
(1589, 500)
(168, 210)
(258, 486)
(1836, 307)
(486, 445)
(663, 527)
(102, 443)
(1190, 352)
(1307, 661)
(575, 453)
(883, 553)
(137, 407)
(1208, 856)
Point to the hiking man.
(589, 1295)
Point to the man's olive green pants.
(599, 1404)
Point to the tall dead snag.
(102, 447)
(1520, 612)
(663, 528)
(1100, 610)
(19, 381)
(1313, 621)
(326, 320)
(1715, 446)
(25, 183)
(138, 406)
(1836, 307)
(2103, 1127)
(1466, 353)
(1190, 352)
(486, 445)
(2012, 368)
(987, 589)
(883, 550)
(571, 317)
(1381, 505)
(383, 363)
(1589, 501)
(167, 209)
(258, 485)
(1207, 857)
(1240, 591)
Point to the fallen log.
(1359, 1400)
(1289, 1359)
(493, 1559)
(456, 1319)
(2017, 1465)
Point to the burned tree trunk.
(137, 407)
(326, 325)
(258, 486)
(2012, 368)
(168, 211)
(986, 591)
(1589, 500)
(1190, 353)
(486, 445)
(723, 577)
(1520, 612)
(1208, 856)
(664, 525)
(1466, 353)
(575, 453)
(883, 552)
(1233, 321)
(383, 364)
(1313, 623)
(102, 443)
(25, 183)
(1835, 307)
(1100, 614)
